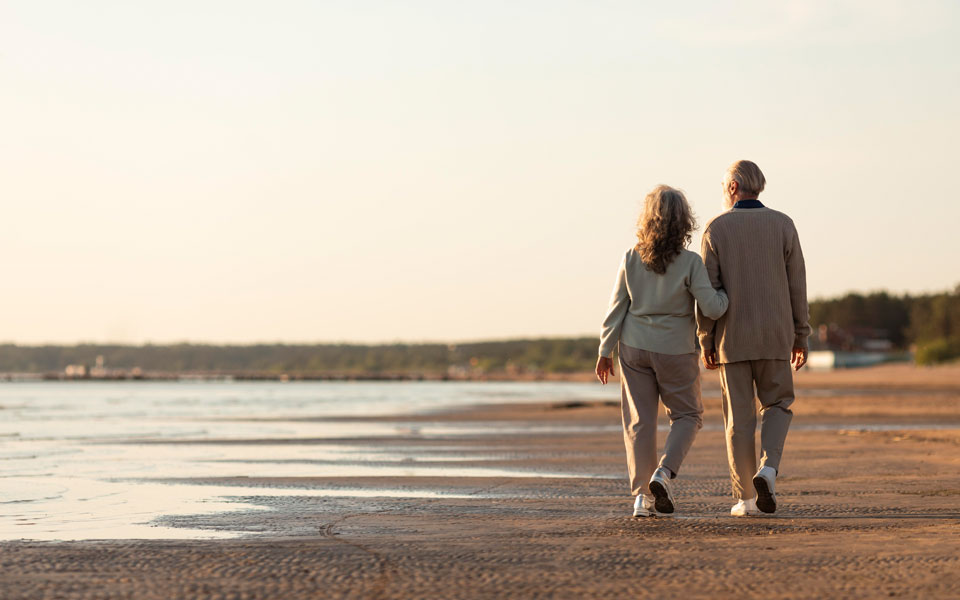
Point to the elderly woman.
(651, 319)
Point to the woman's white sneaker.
(745, 508)
(660, 488)
(643, 506)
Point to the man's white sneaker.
(745, 508)
(764, 481)
(643, 506)
(660, 488)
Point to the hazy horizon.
(385, 342)
(235, 172)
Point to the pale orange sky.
(379, 171)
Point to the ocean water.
(89, 460)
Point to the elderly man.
(754, 253)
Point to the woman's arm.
(619, 304)
(711, 302)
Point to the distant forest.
(928, 324)
(467, 360)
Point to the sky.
(378, 171)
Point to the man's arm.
(797, 280)
(706, 327)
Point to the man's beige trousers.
(644, 377)
(774, 388)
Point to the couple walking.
(752, 322)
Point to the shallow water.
(87, 460)
(77, 459)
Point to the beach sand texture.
(869, 507)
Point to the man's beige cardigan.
(754, 254)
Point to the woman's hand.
(604, 369)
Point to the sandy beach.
(869, 507)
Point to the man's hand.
(710, 359)
(604, 369)
(798, 358)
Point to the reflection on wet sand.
(81, 461)
(123, 461)
(82, 509)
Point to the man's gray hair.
(748, 176)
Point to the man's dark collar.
(748, 204)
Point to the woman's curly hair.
(664, 227)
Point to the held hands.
(710, 359)
(604, 369)
(798, 358)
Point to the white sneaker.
(764, 481)
(643, 506)
(745, 508)
(660, 488)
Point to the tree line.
(511, 357)
(929, 324)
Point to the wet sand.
(869, 506)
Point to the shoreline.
(903, 376)
(871, 513)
